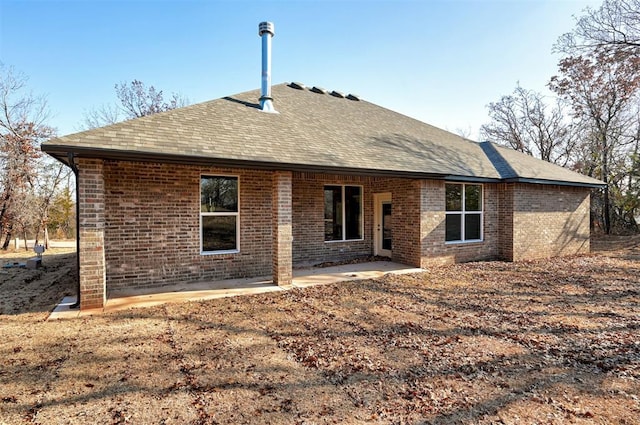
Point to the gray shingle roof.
(514, 165)
(311, 131)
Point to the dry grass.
(23, 290)
(538, 342)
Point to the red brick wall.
(434, 248)
(418, 222)
(405, 214)
(153, 226)
(309, 246)
(550, 221)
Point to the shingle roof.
(311, 131)
(514, 165)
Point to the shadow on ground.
(39, 290)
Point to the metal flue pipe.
(266, 31)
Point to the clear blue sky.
(441, 62)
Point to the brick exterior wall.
(434, 250)
(549, 221)
(418, 222)
(91, 198)
(140, 224)
(309, 246)
(405, 215)
(152, 232)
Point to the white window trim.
(224, 214)
(344, 213)
(463, 212)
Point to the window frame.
(219, 214)
(344, 215)
(463, 213)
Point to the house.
(257, 183)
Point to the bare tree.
(614, 26)
(465, 132)
(22, 129)
(526, 123)
(139, 101)
(625, 182)
(602, 89)
(49, 184)
(104, 115)
(135, 100)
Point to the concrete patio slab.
(183, 292)
(197, 291)
(325, 275)
(64, 310)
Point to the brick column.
(282, 236)
(505, 221)
(91, 233)
(432, 219)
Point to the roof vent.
(319, 90)
(353, 97)
(337, 94)
(266, 31)
(298, 86)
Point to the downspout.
(74, 168)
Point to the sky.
(441, 62)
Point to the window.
(342, 213)
(464, 212)
(219, 217)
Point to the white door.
(382, 224)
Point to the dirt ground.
(541, 342)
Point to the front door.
(382, 224)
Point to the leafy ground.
(544, 342)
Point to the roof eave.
(555, 182)
(60, 152)
(472, 179)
